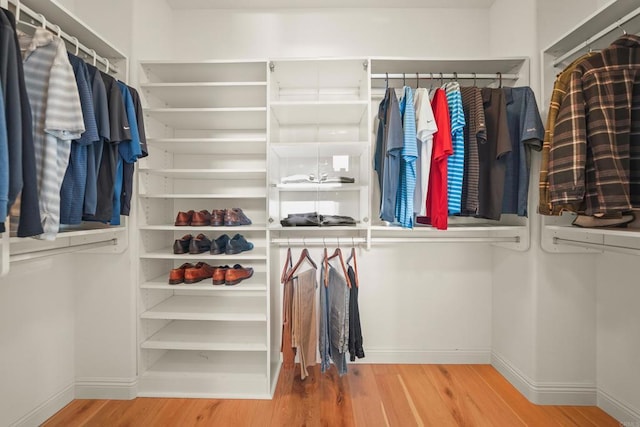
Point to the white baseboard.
(545, 393)
(454, 357)
(626, 415)
(46, 409)
(106, 388)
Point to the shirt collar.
(628, 40)
(40, 38)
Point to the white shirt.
(425, 127)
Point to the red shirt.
(437, 208)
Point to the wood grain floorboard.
(369, 396)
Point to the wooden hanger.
(304, 255)
(336, 253)
(352, 256)
(287, 264)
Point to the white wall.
(232, 34)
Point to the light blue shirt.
(409, 155)
(455, 163)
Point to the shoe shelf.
(199, 196)
(209, 118)
(256, 283)
(207, 173)
(211, 229)
(256, 254)
(208, 336)
(205, 374)
(219, 307)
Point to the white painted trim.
(106, 388)
(545, 393)
(622, 412)
(46, 409)
(380, 355)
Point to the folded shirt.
(312, 219)
(312, 179)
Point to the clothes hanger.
(95, 57)
(336, 253)
(624, 32)
(441, 79)
(474, 80)
(287, 264)
(386, 81)
(417, 81)
(352, 256)
(304, 255)
(404, 79)
(455, 76)
(430, 82)
(106, 65)
(77, 42)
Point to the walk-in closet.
(320, 213)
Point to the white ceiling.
(293, 4)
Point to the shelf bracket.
(272, 66)
(365, 65)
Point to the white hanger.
(59, 31)
(75, 39)
(18, 10)
(106, 65)
(44, 21)
(95, 57)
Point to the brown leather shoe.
(237, 274)
(217, 217)
(219, 274)
(201, 219)
(176, 275)
(199, 272)
(184, 218)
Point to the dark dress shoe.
(201, 219)
(199, 244)
(235, 217)
(181, 246)
(219, 245)
(238, 244)
(217, 217)
(219, 274)
(199, 272)
(184, 218)
(176, 275)
(237, 274)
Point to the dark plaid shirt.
(595, 155)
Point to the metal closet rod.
(436, 76)
(597, 246)
(21, 8)
(321, 241)
(587, 43)
(347, 241)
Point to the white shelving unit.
(207, 126)
(597, 31)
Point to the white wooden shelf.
(167, 253)
(318, 230)
(309, 187)
(202, 196)
(319, 112)
(210, 118)
(220, 307)
(202, 95)
(319, 149)
(205, 71)
(571, 239)
(245, 145)
(207, 229)
(235, 174)
(256, 283)
(206, 374)
(208, 336)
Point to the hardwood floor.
(369, 395)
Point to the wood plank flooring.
(369, 395)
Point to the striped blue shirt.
(409, 155)
(456, 161)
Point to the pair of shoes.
(607, 220)
(192, 245)
(231, 276)
(198, 272)
(229, 218)
(192, 218)
(176, 275)
(230, 246)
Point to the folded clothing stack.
(313, 219)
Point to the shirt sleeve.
(568, 154)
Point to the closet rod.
(514, 239)
(600, 247)
(62, 250)
(616, 26)
(73, 41)
(448, 76)
(321, 241)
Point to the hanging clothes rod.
(321, 241)
(448, 76)
(61, 250)
(72, 40)
(600, 247)
(616, 26)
